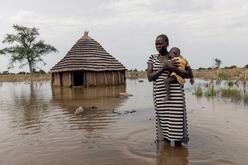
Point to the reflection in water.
(104, 99)
(167, 155)
(87, 93)
(99, 97)
(29, 107)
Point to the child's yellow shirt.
(182, 64)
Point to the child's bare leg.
(167, 82)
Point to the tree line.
(6, 72)
(217, 64)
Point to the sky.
(202, 29)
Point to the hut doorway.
(78, 77)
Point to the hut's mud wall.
(67, 80)
(105, 78)
(102, 78)
(62, 79)
(55, 79)
(87, 93)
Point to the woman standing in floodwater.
(171, 121)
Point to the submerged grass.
(230, 92)
(210, 91)
(230, 83)
(246, 98)
(198, 91)
(234, 94)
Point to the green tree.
(24, 48)
(217, 62)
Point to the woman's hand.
(175, 62)
(169, 65)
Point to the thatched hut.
(88, 64)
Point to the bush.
(22, 73)
(5, 73)
(230, 67)
(41, 71)
(233, 66)
(201, 68)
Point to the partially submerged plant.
(233, 94)
(245, 98)
(210, 91)
(230, 83)
(198, 91)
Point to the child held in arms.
(174, 54)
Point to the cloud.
(202, 17)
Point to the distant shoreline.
(206, 74)
(24, 77)
(222, 74)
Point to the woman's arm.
(153, 75)
(192, 81)
(180, 72)
(188, 68)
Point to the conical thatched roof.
(87, 54)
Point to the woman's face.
(161, 45)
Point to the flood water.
(38, 126)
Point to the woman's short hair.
(166, 39)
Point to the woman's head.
(161, 43)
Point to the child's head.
(174, 52)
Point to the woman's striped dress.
(171, 121)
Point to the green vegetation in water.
(230, 83)
(198, 91)
(210, 91)
(234, 94)
(246, 98)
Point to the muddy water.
(38, 126)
